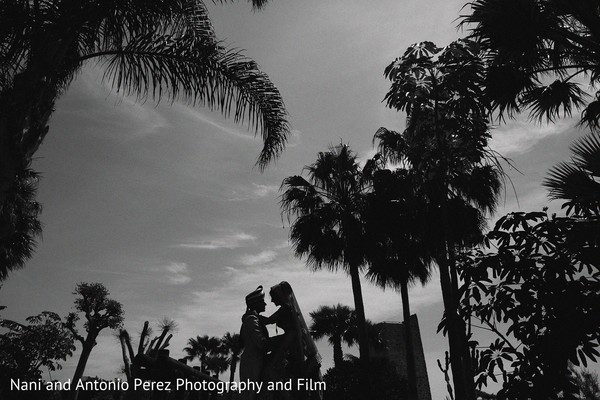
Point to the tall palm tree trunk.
(363, 338)
(338, 353)
(409, 348)
(232, 369)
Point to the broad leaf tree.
(26, 348)
(100, 312)
(537, 287)
(444, 145)
(150, 49)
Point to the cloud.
(128, 117)
(177, 273)
(255, 191)
(312, 289)
(518, 136)
(261, 258)
(227, 241)
(211, 120)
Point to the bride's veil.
(310, 349)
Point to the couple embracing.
(290, 356)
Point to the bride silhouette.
(294, 355)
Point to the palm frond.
(20, 224)
(256, 4)
(481, 186)
(504, 85)
(586, 153)
(547, 102)
(183, 68)
(337, 323)
(577, 181)
(591, 115)
(392, 145)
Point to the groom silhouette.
(254, 336)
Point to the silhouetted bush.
(377, 380)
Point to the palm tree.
(535, 50)
(338, 324)
(201, 348)
(19, 223)
(232, 347)
(216, 363)
(578, 181)
(328, 227)
(445, 147)
(398, 257)
(149, 49)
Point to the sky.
(163, 203)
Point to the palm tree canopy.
(335, 323)
(535, 50)
(149, 49)
(231, 346)
(394, 223)
(462, 165)
(202, 346)
(20, 221)
(327, 209)
(328, 228)
(216, 363)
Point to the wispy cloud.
(517, 137)
(177, 273)
(211, 120)
(226, 241)
(130, 118)
(261, 258)
(255, 191)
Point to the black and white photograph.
(299, 200)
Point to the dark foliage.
(26, 349)
(538, 289)
(538, 53)
(100, 312)
(348, 381)
(19, 223)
